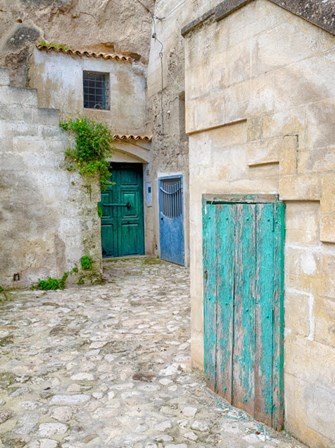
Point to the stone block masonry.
(260, 116)
(48, 220)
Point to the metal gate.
(171, 222)
(243, 303)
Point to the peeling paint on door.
(243, 306)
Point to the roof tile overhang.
(132, 137)
(321, 14)
(86, 53)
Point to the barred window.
(171, 197)
(96, 90)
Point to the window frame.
(96, 90)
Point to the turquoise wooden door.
(122, 223)
(243, 303)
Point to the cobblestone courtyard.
(109, 366)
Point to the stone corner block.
(300, 187)
(288, 155)
(327, 209)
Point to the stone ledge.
(320, 14)
(197, 22)
(227, 7)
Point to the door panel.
(122, 224)
(171, 219)
(265, 288)
(244, 317)
(243, 308)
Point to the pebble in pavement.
(109, 366)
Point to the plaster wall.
(47, 216)
(260, 103)
(58, 79)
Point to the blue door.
(171, 219)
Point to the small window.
(96, 90)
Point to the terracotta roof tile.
(86, 53)
(125, 137)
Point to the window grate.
(171, 197)
(96, 90)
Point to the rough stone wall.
(121, 26)
(71, 227)
(165, 87)
(166, 97)
(259, 113)
(48, 220)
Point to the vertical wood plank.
(244, 316)
(278, 317)
(210, 275)
(264, 312)
(226, 223)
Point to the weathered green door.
(243, 303)
(122, 224)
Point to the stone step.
(29, 114)
(17, 95)
(6, 144)
(12, 129)
(44, 147)
(47, 117)
(4, 77)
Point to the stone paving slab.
(109, 366)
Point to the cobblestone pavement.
(109, 366)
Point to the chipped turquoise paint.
(244, 322)
(209, 257)
(243, 303)
(264, 302)
(278, 341)
(225, 224)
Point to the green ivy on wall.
(93, 145)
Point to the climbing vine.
(93, 145)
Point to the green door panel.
(122, 223)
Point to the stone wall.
(48, 220)
(121, 26)
(166, 98)
(259, 114)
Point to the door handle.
(128, 205)
(206, 275)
